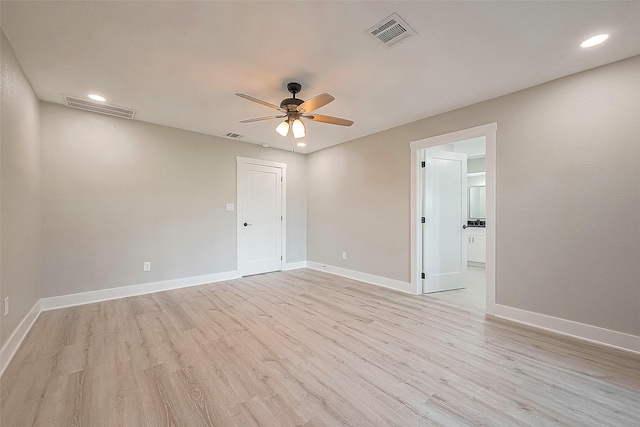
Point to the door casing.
(489, 131)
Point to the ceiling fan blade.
(315, 103)
(257, 119)
(329, 119)
(259, 101)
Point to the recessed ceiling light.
(595, 40)
(97, 97)
(301, 144)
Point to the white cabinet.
(477, 240)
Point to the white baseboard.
(569, 328)
(63, 301)
(594, 334)
(385, 282)
(13, 343)
(294, 265)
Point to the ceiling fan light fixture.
(298, 129)
(283, 128)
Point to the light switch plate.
(230, 207)
(146, 266)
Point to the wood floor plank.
(305, 348)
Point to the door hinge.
(424, 164)
(423, 276)
(280, 217)
(281, 258)
(424, 220)
(281, 179)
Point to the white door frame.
(239, 222)
(489, 132)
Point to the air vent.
(233, 135)
(98, 107)
(392, 30)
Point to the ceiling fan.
(295, 109)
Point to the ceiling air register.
(98, 107)
(391, 31)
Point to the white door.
(260, 218)
(445, 211)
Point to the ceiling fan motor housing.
(291, 104)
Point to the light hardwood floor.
(473, 295)
(307, 348)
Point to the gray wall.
(568, 201)
(20, 193)
(359, 203)
(117, 193)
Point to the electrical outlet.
(344, 255)
(6, 306)
(146, 266)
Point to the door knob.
(464, 227)
(247, 223)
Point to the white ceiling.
(180, 63)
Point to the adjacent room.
(311, 213)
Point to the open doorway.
(453, 217)
(454, 212)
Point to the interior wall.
(477, 165)
(20, 187)
(359, 203)
(117, 193)
(567, 197)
